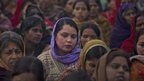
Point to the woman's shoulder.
(44, 54)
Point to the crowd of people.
(71, 40)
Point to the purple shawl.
(69, 58)
(121, 30)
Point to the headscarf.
(100, 70)
(87, 47)
(122, 29)
(68, 58)
(137, 72)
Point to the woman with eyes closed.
(11, 50)
(113, 66)
(64, 50)
(89, 56)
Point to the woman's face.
(139, 23)
(69, 6)
(140, 45)
(80, 11)
(111, 4)
(94, 8)
(34, 34)
(118, 69)
(66, 39)
(90, 66)
(128, 14)
(10, 54)
(87, 35)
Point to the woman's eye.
(64, 35)
(114, 66)
(18, 51)
(126, 68)
(92, 65)
(73, 36)
(142, 45)
(85, 36)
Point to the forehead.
(141, 38)
(92, 60)
(68, 28)
(119, 59)
(80, 4)
(37, 27)
(140, 18)
(92, 1)
(11, 44)
(129, 10)
(88, 31)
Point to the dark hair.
(85, 2)
(97, 2)
(96, 52)
(31, 22)
(65, 2)
(92, 26)
(77, 76)
(115, 53)
(63, 21)
(1, 5)
(30, 13)
(10, 36)
(29, 64)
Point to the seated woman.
(64, 50)
(28, 69)
(113, 66)
(11, 50)
(89, 55)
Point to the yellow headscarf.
(90, 44)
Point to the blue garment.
(122, 29)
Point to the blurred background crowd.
(71, 40)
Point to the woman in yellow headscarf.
(89, 55)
